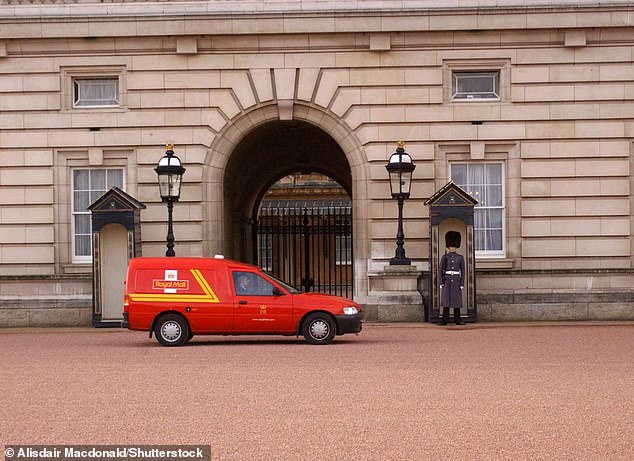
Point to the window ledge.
(501, 263)
(79, 268)
(472, 100)
(95, 109)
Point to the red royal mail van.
(177, 298)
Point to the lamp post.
(400, 168)
(170, 173)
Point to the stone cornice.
(285, 6)
(205, 18)
(93, 8)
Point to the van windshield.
(283, 284)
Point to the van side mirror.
(277, 292)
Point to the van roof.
(189, 262)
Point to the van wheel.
(171, 330)
(319, 329)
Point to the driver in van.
(244, 284)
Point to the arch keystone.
(286, 109)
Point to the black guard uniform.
(452, 274)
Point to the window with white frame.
(96, 92)
(475, 85)
(88, 184)
(485, 182)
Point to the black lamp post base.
(396, 261)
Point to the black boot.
(456, 316)
(445, 316)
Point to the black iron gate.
(308, 248)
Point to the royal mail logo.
(170, 284)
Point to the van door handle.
(242, 301)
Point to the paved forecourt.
(397, 392)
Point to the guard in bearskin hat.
(451, 279)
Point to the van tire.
(319, 328)
(171, 330)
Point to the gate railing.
(308, 248)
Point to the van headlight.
(350, 310)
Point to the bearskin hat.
(452, 239)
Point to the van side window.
(251, 284)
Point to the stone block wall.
(203, 76)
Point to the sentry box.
(177, 298)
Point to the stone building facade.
(529, 104)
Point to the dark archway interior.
(266, 154)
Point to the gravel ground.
(480, 392)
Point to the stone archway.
(257, 149)
(269, 152)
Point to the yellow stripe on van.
(204, 285)
(208, 297)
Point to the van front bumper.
(349, 323)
